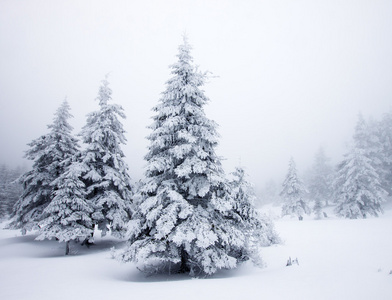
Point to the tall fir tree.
(358, 188)
(104, 170)
(320, 182)
(293, 194)
(184, 221)
(50, 154)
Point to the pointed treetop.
(320, 155)
(185, 38)
(105, 92)
(184, 57)
(360, 131)
(292, 165)
(61, 116)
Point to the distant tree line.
(357, 187)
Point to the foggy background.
(288, 76)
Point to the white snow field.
(338, 259)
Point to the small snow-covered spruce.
(317, 208)
(50, 154)
(385, 139)
(68, 215)
(104, 171)
(183, 221)
(320, 182)
(358, 189)
(294, 203)
(259, 228)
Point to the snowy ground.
(338, 259)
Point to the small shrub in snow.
(290, 262)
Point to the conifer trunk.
(67, 248)
(184, 259)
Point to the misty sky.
(289, 76)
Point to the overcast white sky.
(291, 75)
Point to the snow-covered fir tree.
(50, 154)
(68, 215)
(3, 193)
(367, 138)
(293, 194)
(358, 187)
(320, 182)
(385, 139)
(104, 171)
(259, 228)
(185, 220)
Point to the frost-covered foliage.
(184, 220)
(320, 182)
(10, 190)
(259, 228)
(50, 154)
(3, 194)
(367, 138)
(68, 215)
(365, 135)
(104, 171)
(358, 188)
(385, 139)
(293, 194)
